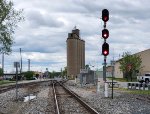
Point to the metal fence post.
(139, 85)
(149, 87)
(143, 86)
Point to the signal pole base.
(98, 86)
(106, 89)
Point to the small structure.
(87, 76)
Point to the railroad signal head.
(105, 33)
(105, 49)
(105, 15)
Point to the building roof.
(136, 54)
(142, 51)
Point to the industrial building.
(145, 57)
(75, 53)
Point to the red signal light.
(105, 18)
(105, 15)
(105, 33)
(105, 52)
(105, 49)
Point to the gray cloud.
(43, 35)
(42, 43)
(37, 19)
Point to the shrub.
(29, 75)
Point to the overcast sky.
(42, 36)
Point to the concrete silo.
(75, 53)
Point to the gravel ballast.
(39, 105)
(122, 103)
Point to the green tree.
(1, 72)
(54, 73)
(29, 75)
(129, 64)
(64, 72)
(9, 17)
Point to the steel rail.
(7, 88)
(88, 107)
(55, 97)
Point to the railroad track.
(67, 102)
(6, 88)
(20, 85)
(49, 100)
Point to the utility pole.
(112, 65)
(47, 73)
(3, 63)
(16, 65)
(20, 63)
(28, 64)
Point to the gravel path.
(123, 102)
(42, 104)
(8, 105)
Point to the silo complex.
(75, 53)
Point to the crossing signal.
(105, 49)
(105, 33)
(105, 15)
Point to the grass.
(139, 92)
(122, 79)
(6, 82)
(142, 92)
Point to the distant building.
(145, 57)
(75, 53)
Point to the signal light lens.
(105, 15)
(105, 33)
(105, 52)
(105, 18)
(105, 49)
